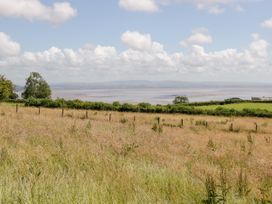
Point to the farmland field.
(240, 106)
(112, 157)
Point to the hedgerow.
(190, 108)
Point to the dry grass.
(73, 159)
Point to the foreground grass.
(240, 106)
(52, 159)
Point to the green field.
(240, 106)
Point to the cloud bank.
(34, 10)
(143, 58)
(211, 6)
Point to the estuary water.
(162, 95)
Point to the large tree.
(6, 89)
(181, 100)
(36, 87)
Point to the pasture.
(78, 156)
(240, 106)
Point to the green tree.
(6, 89)
(181, 100)
(36, 87)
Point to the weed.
(211, 191)
(89, 125)
(128, 148)
(88, 128)
(265, 189)
(158, 120)
(73, 128)
(224, 187)
(250, 139)
(242, 146)
(201, 123)
(169, 125)
(242, 184)
(60, 144)
(69, 115)
(123, 120)
(211, 145)
(267, 139)
(157, 128)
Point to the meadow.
(79, 156)
(240, 106)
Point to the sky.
(109, 40)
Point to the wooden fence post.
(39, 110)
(159, 120)
(110, 117)
(17, 108)
(231, 127)
(87, 114)
(62, 112)
(133, 124)
(256, 127)
(181, 123)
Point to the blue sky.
(137, 39)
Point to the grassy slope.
(241, 106)
(50, 159)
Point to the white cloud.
(215, 6)
(34, 10)
(211, 6)
(267, 23)
(143, 59)
(216, 10)
(259, 46)
(140, 41)
(8, 47)
(199, 37)
(139, 5)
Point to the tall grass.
(52, 159)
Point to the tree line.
(37, 93)
(35, 87)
